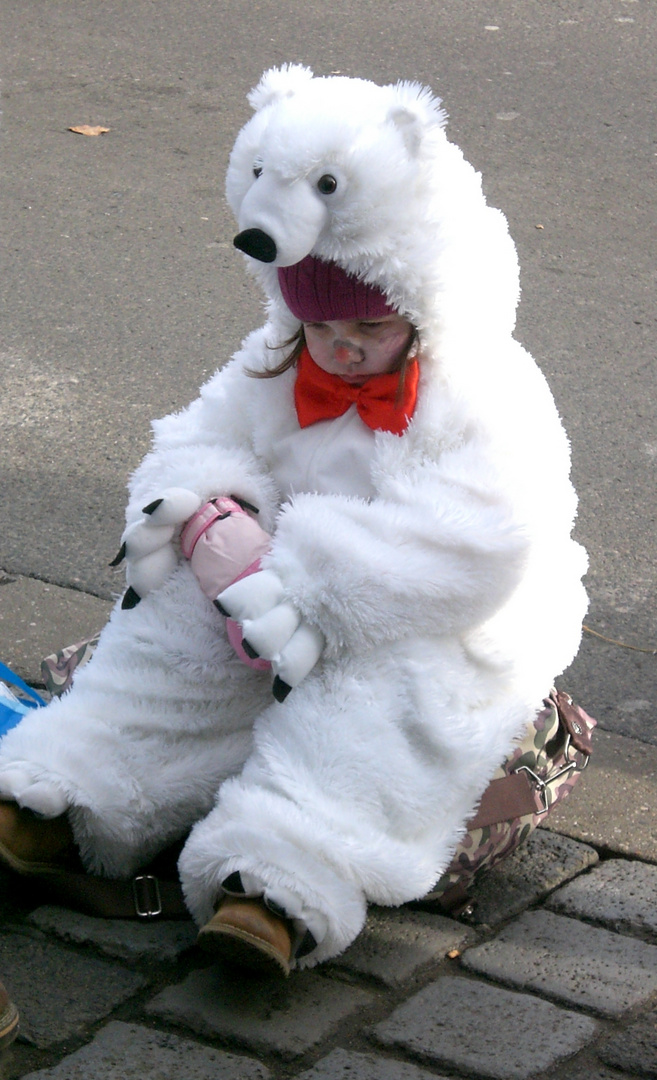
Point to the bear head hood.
(364, 176)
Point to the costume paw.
(240, 883)
(150, 572)
(143, 538)
(174, 506)
(310, 925)
(41, 796)
(268, 635)
(252, 596)
(297, 659)
(147, 544)
(273, 628)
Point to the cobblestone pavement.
(554, 973)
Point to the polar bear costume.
(438, 565)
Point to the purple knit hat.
(317, 291)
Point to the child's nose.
(345, 352)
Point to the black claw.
(249, 650)
(233, 884)
(280, 689)
(120, 556)
(244, 504)
(152, 507)
(307, 945)
(221, 609)
(130, 598)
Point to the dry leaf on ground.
(88, 129)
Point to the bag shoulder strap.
(520, 793)
(145, 896)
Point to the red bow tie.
(320, 396)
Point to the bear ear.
(415, 112)
(409, 125)
(279, 83)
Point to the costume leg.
(137, 749)
(357, 789)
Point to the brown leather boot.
(33, 845)
(247, 933)
(8, 1019)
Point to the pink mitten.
(224, 544)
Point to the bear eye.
(257, 171)
(327, 184)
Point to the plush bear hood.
(364, 175)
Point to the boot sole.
(242, 949)
(8, 1026)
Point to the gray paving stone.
(569, 961)
(124, 939)
(545, 861)
(634, 1050)
(342, 1065)
(397, 943)
(266, 1015)
(481, 1030)
(619, 894)
(37, 619)
(129, 1052)
(59, 991)
(612, 805)
(587, 1070)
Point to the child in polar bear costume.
(421, 589)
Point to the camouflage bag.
(58, 669)
(539, 773)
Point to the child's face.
(357, 349)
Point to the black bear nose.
(257, 244)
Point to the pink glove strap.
(201, 521)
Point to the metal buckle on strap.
(146, 895)
(542, 786)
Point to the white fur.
(449, 597)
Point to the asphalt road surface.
(121, 291)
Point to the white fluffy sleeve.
(436, 556)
